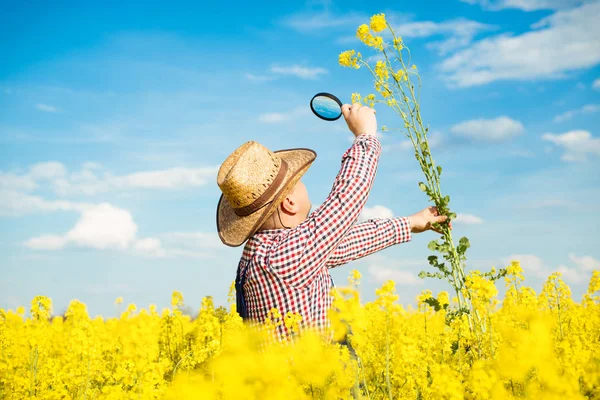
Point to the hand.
(424, 220)
(360, 119)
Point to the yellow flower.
(381, 71)
(377, 43)
(364, 34)
(443, 298)
(347, 59)
(400, 75)
(41, 307)
(378, 22)
(384, 90)
(529, 348)
(398, 43)
(354, 278)
(367, 38)
(356, 98)
(118, 300)
(425, 294)
(176, 299)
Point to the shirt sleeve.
(303, 251)
(369, 237)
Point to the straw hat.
(254, 181)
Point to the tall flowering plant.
(398, 85)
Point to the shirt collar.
(259, 238)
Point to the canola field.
(527, 345)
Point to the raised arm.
(369, 237)
(299, 256)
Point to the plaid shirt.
(287, 269)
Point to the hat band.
(262, 200)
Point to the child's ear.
(289, 205)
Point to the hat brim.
(235, 230)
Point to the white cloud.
(273, 118)
(90, 165)
(546, 203)
(104, 226)
(435, 139)
(91, 179)
(565, 41)
(15, 203)
(525, 5)
(277, 117)
(585, 263)
(596, 84)
(46, 108)
(193, 240)
(579, 273)
(467, 219)
(165, 179)
(530, 263)
(10, 181)
(47, 170)
(149, 246)
(46, 242)
(587, 109)
(492, 130)
(299, 71)
(401, 277)
(572, 275)
(293, 70)
(259, 78)
(311, 22)
(458, 32)
(375, 212)
(577, 145)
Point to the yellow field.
(544, 346)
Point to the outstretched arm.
(370, 237)
(377, 234)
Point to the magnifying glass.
(326, 106)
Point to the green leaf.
(422, 274)
(433, 302)
(433, 245)
(439, 169)
(423, 186)
(464, 242)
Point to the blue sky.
(115, 118)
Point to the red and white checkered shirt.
(287, 269)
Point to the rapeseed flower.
(378, 23)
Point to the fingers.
(441, 218)
(355, 107)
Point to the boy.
(284, 264)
